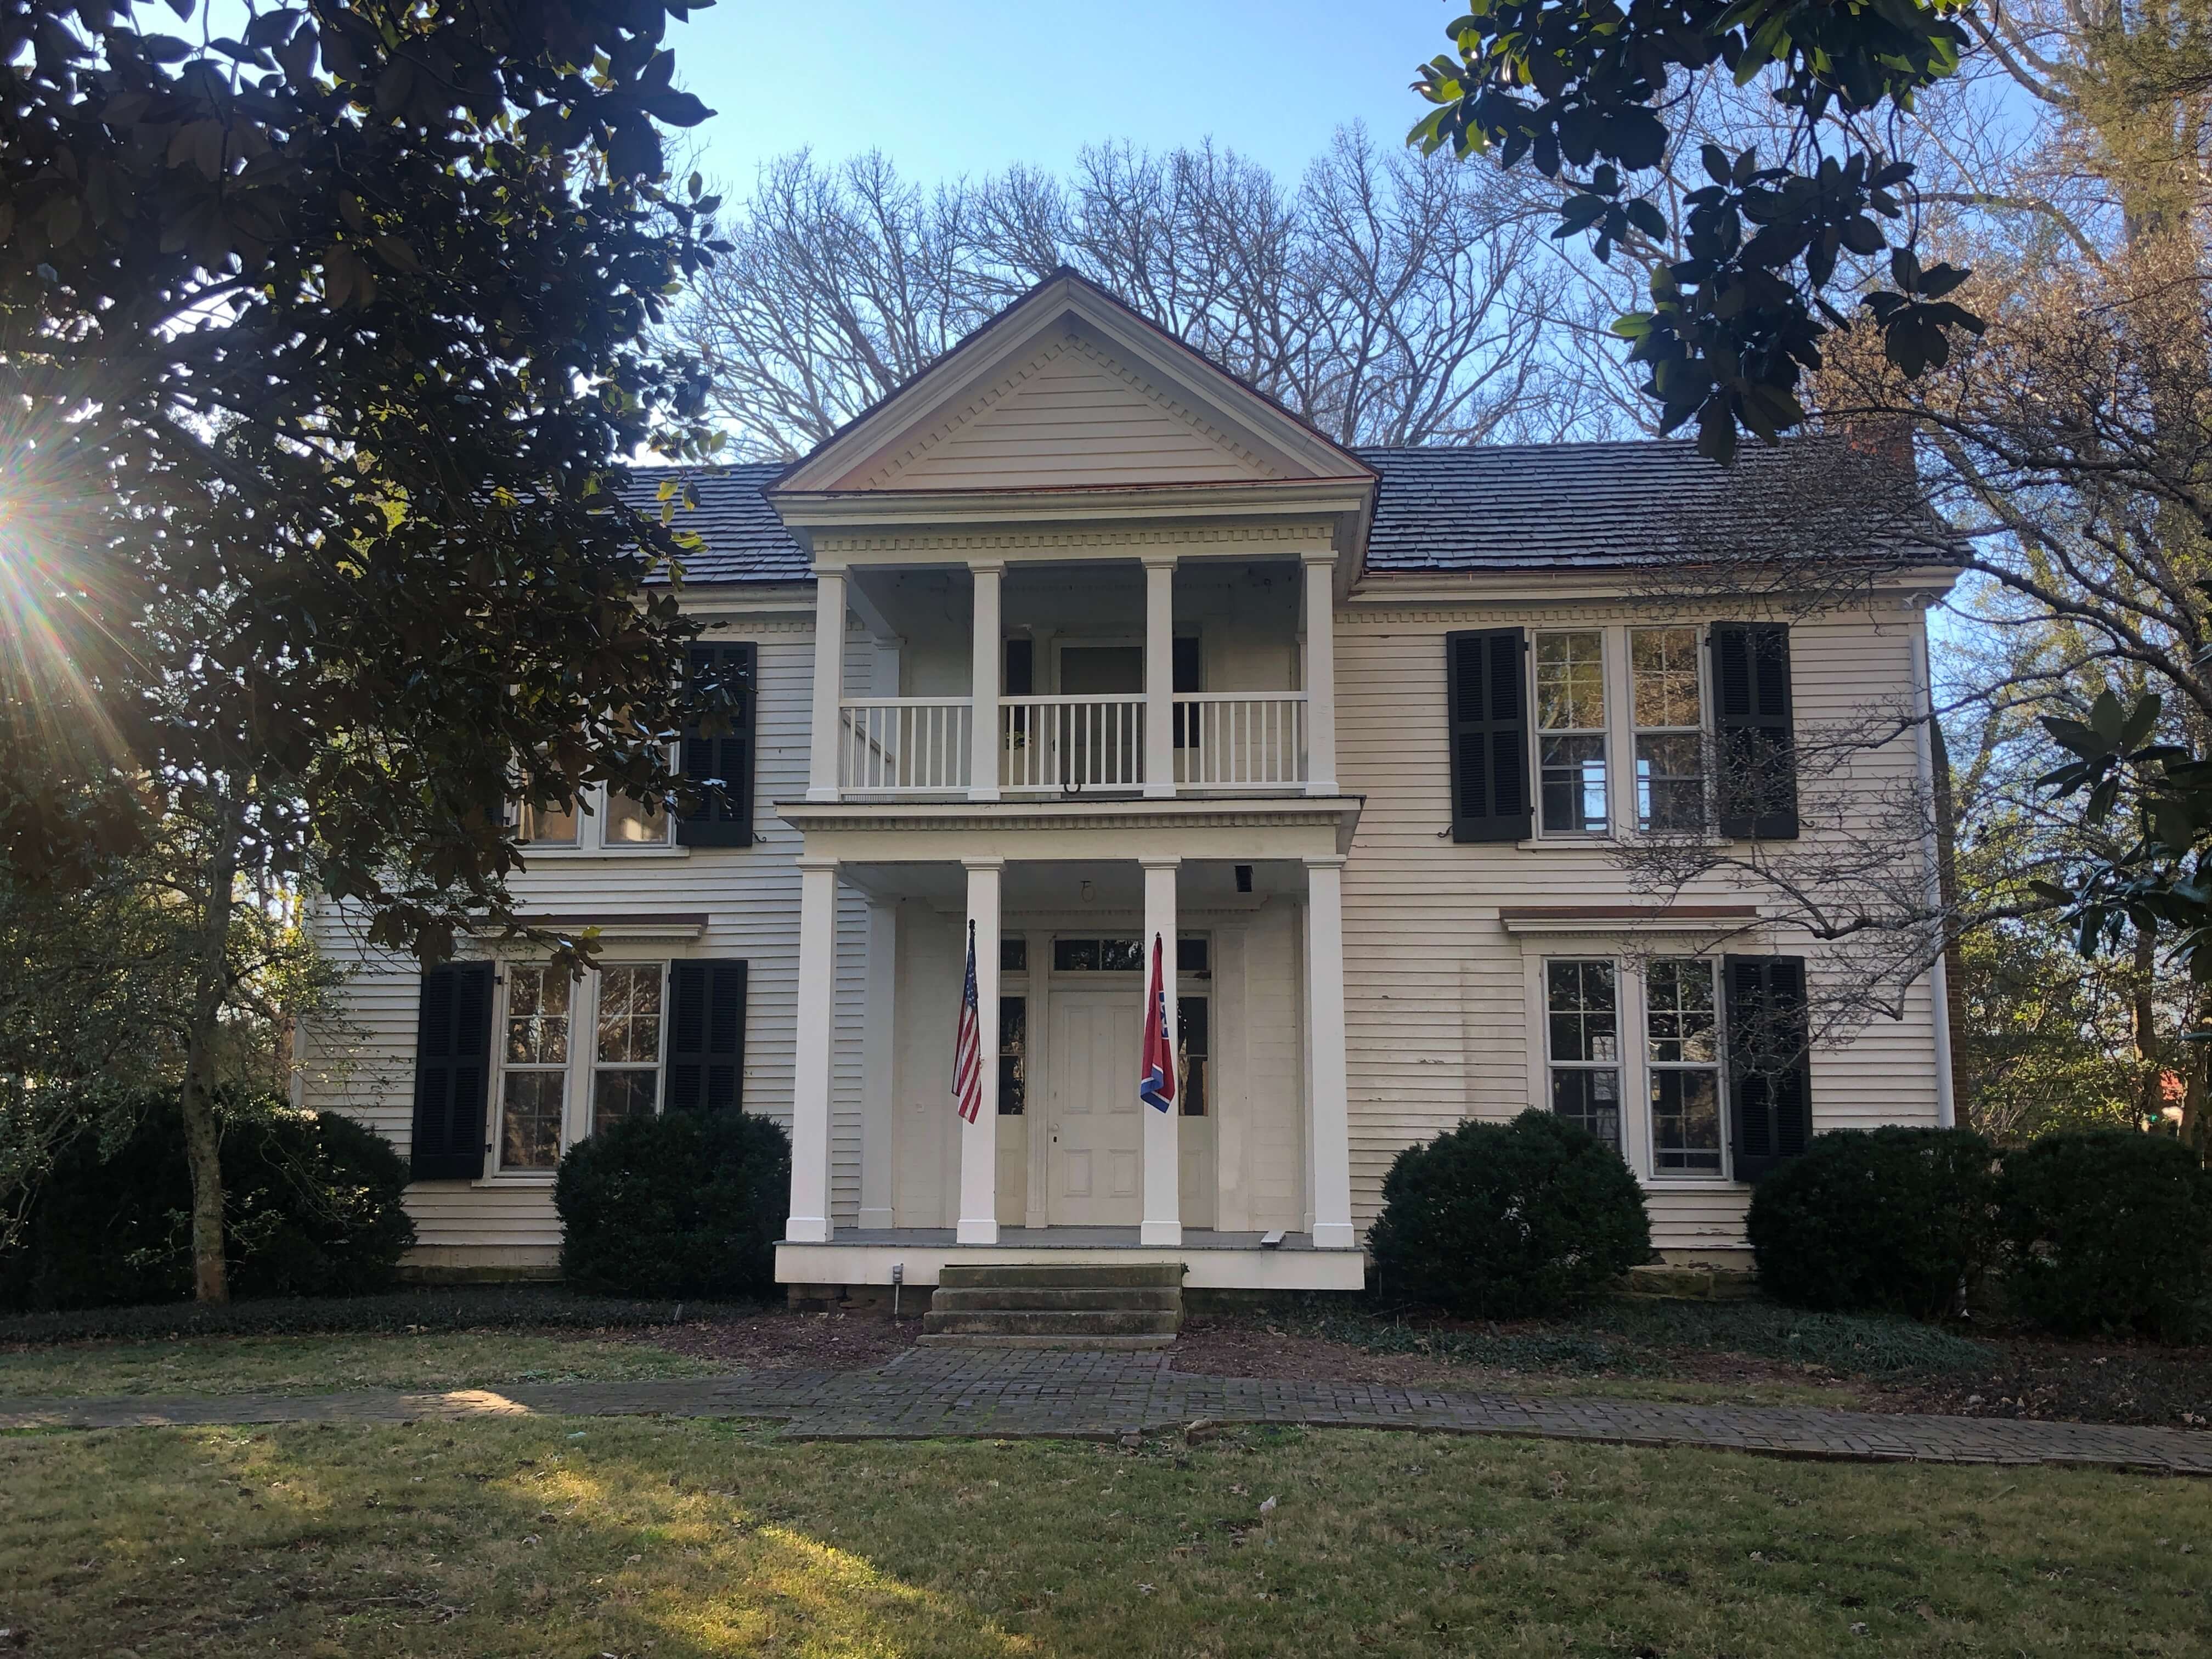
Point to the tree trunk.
(196, 1101)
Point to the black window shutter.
(1489, 735)
(1770, 1065)
(707, 1036)
(726, 819)
(1186, 670)
(1754, 731)
(452, 1071)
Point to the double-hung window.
(575, 1055)
(626, 1059)
(1683, 1053)
(1571, 732)
(602, 820)
(1582, 1009)
(1666, 705)
(534, 1060)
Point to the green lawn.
(573, 1539)
(324, 1364)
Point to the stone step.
(1059, 1298)
(1030, 1322)
(1088, 1343)
(1075, 1275)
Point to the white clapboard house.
(1078, 641)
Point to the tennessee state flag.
(1159, 1088)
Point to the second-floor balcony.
(1103, 678)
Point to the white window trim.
(1609, 645)
(581, 1065)
(1633, 1011)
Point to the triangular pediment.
(1068, 389)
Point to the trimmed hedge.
(310, 1208)
(1508, 1220)
(2108, 1230)
(1891, 1220)
(684, 1204)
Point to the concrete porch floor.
(1211, 1260)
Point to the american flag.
(968, 1046)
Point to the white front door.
(1097, 1126)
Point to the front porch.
(1211, 1260)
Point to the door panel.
(1095, 1160)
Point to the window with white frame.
(626, 1055)
(1582, 1035)
(1682, 1051)
(1571, 732)
(534, 1066)
(1667, 710)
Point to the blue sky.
(968, 86)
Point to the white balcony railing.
(905, 745)
(1053, 745)
(1240, 739)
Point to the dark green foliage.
(1891, 1220)
(310, 1208)
(1508, 1220)
(2107, 1230)
(683, 1204)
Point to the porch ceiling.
(1077, 887)
(1233, 831)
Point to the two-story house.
(1075, 644)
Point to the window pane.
(629, 1013)
(1123, 955)
(1663, 664)
(630, 1092)
(1579, 997)
(1192, 955)
(1680, 991)
(537, 1017)
(1014, 954)
(1589, 1099)
(1574, 786)
(1075, 956)
(529, 1120)
(1013, 1051)
(630, 824)
(1670, 784)
(546, 826)
(1685, 1122)
(1571, 681)
(1194, 1047)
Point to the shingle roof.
(1568, 505)
(1492, 506)
(745, 541)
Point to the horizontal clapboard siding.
(1437, 1003)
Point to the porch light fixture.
(1089, 892)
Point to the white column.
(987, 665)
(878, 1105)
(1159, 677)
(810, 1066)
(1162, 1158)
(829, 684)
(979, 1141)
(1321, 674)
(1327, 1114)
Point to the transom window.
(1125, 955)
(1682, 1049)
(1668, 706)
(1571, 732)
(1582, 1008)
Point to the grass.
(554, 1537)
(325, 1364)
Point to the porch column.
(983, 702)
(1321, 673)
(879, 1064)
(979, 1141)
(1159, 680)
(809, 1223)
(1327, 1115)
(1162, 1210)
(829, 684)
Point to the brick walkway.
(925, 1394)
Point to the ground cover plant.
(571, 1537)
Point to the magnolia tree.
(321, 343)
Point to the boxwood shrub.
(1891, 1220)
(1508, 1220)
(2108, 1230)
(684, 1204)
(311, 1207)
